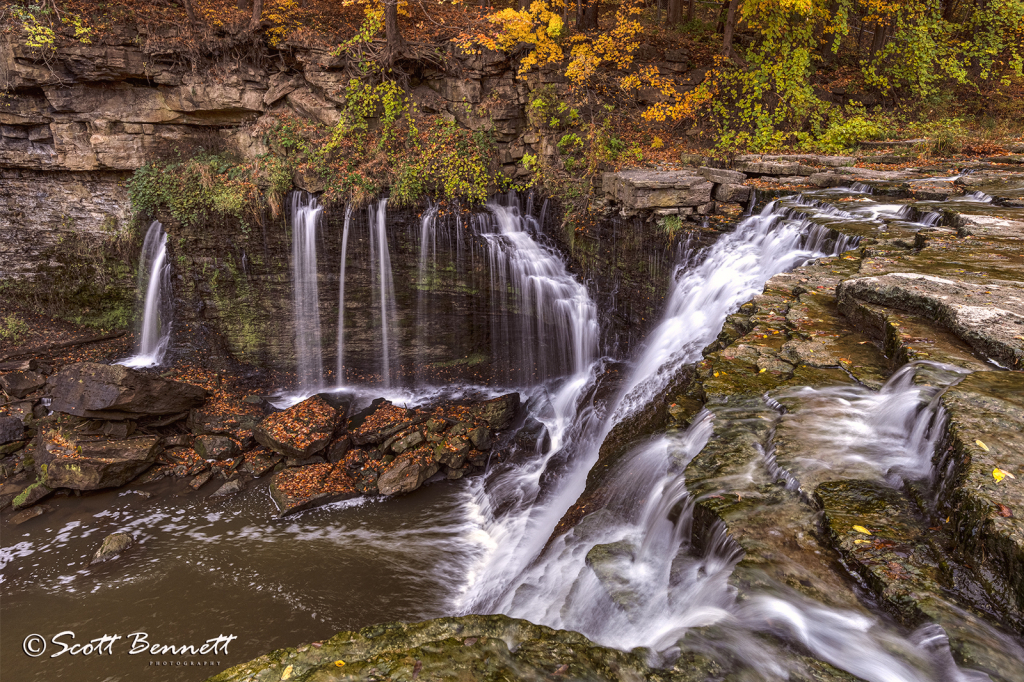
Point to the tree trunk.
(730, 27)
(257, 13)
(878, 40)
(189, 11)
(586, 15)
(391, 31)
(691, 9)
(674, 15)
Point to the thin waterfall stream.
(306, 212)
(155, 271)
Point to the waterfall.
(519, 506)
(156, 318)
(341, 297)
(552, 329)
(384, 286)
(306, 211)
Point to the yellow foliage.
(283, 16)
(537, 26)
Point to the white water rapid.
(306, 211)
(156, 317)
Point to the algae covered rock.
(89, 389)
(301, 431)
(113, 546)
(463, 648)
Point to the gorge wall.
(77, 122)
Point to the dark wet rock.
(11, 448)
(409, 471)
(452, 452)
(20, 384)
(338, 448)
(498, 412)
(480, 437)
(406, 442)
(380, 421)
(985, 433)
(66, 459)
(11, 429)
(989, 316)
(301, 431)
(732, 193)
(340, 401)
(464, 648)
(300, 488)
(900, 564)
(258, 462)
(217, 418)
(113, 546)
(608, 563)
(29, 514)
(533, 435)
(22, 490)
(235, 485)
(201, 479)
(89, 389)
(177, 440)
(216, 447)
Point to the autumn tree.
(392, 33)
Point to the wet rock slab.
(989, 316)
(301, 431)
(89, 389)
(464, 648)
(66, 459)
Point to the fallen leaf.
(862, 529)
(861, 542)
(1004, 511)
(981, 445)
(339, 663)
(287, 674)
(716, 375)
(763, 369)
(1000, 474)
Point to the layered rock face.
(81, 122)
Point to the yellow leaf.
(981, 445)
(339, 663)
(716, 374)
(1000, 474)
(861, 542)
(862, 529)
(763, 369)
(287, 674)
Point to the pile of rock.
(385, 449)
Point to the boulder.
(732, 193)
(776, 168)
(301, 431)
(216, 447)
(21, 490)
(642, 189)
(89, 389)
(112, 547)
(380, 421)
(11, 429)
(406, 442)
(66, 459)
(498, 412)
(20, 384)
(231, 487)
(452, 452)
(480, 437)
(408, 472)
(299, 488)
(722, 176)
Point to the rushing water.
(520, 505)
(384, 285)
(155, 271)
(306, 211)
